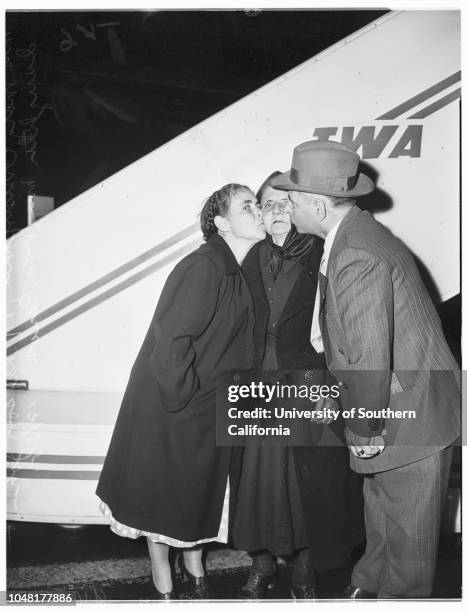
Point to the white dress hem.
(133, 533)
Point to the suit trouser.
(402, 520)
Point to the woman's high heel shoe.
(199, 587)
(162, 596)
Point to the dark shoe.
(159, 595)
(258, 585)
(353, 592)
(199, 587)
(304, 592)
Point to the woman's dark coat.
(331, 493)
(163, 472)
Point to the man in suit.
(383, 341)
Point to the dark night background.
(89, 92)
(85, 98)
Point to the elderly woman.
(164, 477)
(289, 500)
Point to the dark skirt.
(267, 513)
(268, 510)
(287, 498)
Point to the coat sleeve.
(364, 297)
(185, 309)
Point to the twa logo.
(371, 142)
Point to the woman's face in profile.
(274, 207)
(244, 216)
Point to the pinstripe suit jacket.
(377, 316)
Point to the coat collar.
(346, 221)
(300, 298)
(220, 245)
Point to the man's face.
(303, 212)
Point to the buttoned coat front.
(384, 343)
(330, 493)
(163, 472)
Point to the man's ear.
(320, 208)
(221, 223)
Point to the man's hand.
(366, 452)
(364, 448)
(325, 404)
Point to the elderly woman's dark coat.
(163, 472)
(330, 492)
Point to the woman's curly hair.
(217, 204)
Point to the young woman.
(164, 477)
(289, 500)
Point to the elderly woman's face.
(274, 206)
(244, 216)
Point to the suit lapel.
(323, 280)
(323, 285)
(340, 235)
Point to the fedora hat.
(327, 168)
